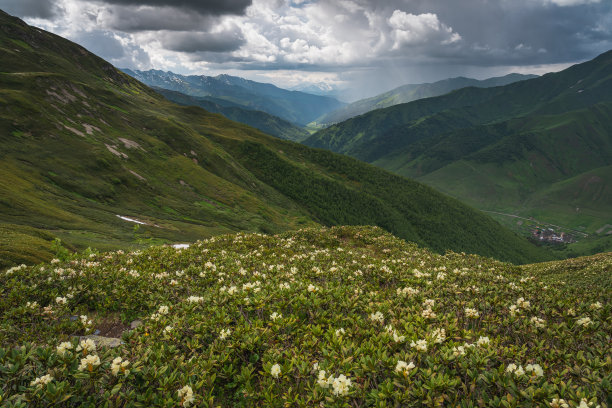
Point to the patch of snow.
(131, 220)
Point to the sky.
(363, 47)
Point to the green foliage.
(314, 317)
(510, 148)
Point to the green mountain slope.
(84, 145)
(340, 317)
(263, 121)
(412, 92)
(294, 106)
(500, 148)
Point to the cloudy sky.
(368, 46)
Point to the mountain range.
(293, 106)
(412, 92)
(96, 158)
(537, 148)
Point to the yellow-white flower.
(584, 321)
(340, 332)
(167, 329)
(483, 341)
(224, 333)
(324, 382)
(89, 363)
(473, 313)
(186, 396)
(559, 403)
(64, 347)
(403, 368)
(275, 316)
(41, 381)
(87, 346)
(535, 369)
(120, 365)
(595, 306)
(195, 299)
(377, 317)
(61, 300)
(537, 322)
(420, 345)
(439, 335)
(163, 310)
(341, 385)
(312, 288)
(275, 370)
(458, 351)
(397, 338)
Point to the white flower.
(324, 382)
(195, 299)
(186, 396)
(60, 300)
(163, 310)
(377, 317)
(89, 363)
(522, 303)
(397, 338)
(85, 321)
(519, 371)
(511, 368)
(420, 345)
(274, 316)
(64, 347)
(233, 289)
(469, 312)
(224, 333)
(439, 335)
(403, 368)
(483, 341)
(41, 381)
(429, 303)
(585, 321)
(428, 314)
(275, 370)
(340, 332)
(32, 305)
(284, 285)
(341, 385)
(535, 369)
(312, 288)
(87, 345)
(120, 365)
(458, 351)
(559, 403)
(167, 329)
(537, 322)
(595, 306)
(584, 403)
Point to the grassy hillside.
(263, 121)
(293, 106)
(95, 158)
(527, 148)
(412, 92)
(335, 317)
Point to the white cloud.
(412, 29)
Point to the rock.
(102, 341)
(135, 324)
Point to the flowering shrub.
(346, 316)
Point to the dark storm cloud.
(204, 7)
(191, 42)
(31, 8)
(146, 18)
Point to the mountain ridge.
(297, 107)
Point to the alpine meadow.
(312, 203)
